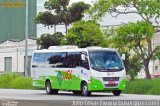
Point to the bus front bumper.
(99, 85)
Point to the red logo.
(67, 74)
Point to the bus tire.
(84, 89)
(49, 89)
(116, 92)
(77, 92)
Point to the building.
(12, 19)
(154, 65)
(12, 34)
(12, 55)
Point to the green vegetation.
(136, 36)
(15, 81)
(135, 39)
(84, 34)
(59, 12)
(143, 86)
(47, 40)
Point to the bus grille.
(110, 78)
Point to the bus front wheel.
(84, 89)
(49, 89)
(116, 92)
(77, 92)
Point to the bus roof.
(73, 48)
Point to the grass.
(15, 81)
(143, 86)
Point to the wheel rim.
(48, 87)
(85, 90)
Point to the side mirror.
(83, 57)
(123, 57)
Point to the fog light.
(95, 86)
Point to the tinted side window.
(39, 60)
(50, 59)
(73, 59)
(85, 63)
(57, 59)
(69, 61)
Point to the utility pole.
(26, 41)
(54, 28)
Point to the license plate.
(111, 83)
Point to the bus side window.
(35, 60)
(57, 59)
(85, 63)
(77, 60)
(61, 60)
(72, 60)
(68, 61)
(53, 59)
(39, 60)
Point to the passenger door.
(85, 69)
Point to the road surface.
(40, 98)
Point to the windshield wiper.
(114, 68)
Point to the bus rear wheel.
(49, 89)
(116, 92)
(84, 89)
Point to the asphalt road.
(40, 98)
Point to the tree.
(133, 62)
(137, 37)
(84, 34)
(47, 40)
(60, 13)
(77, 10)
(149, 10)
(48, 19)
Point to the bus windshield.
(105, 61)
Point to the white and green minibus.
(80, 70)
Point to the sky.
(41, 2)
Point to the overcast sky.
(41, 2)
(107, 20)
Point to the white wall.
(16, 50)
(7, 53)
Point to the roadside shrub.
(15, 81)
(143, 86)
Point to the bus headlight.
(100, 79)
(96, 86)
